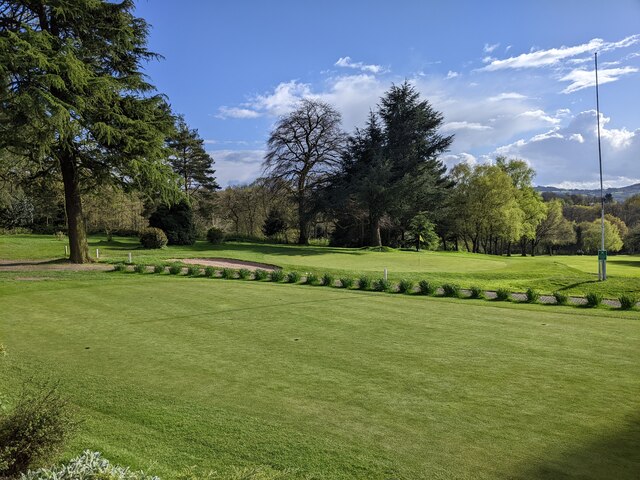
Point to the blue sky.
(511, 78)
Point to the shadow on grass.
(573, 285)
(613, 455)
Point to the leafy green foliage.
(277, 275)
(274, 224)
(476, 292)
(193, 270)
(426, 288)
(328, 280)
(210, 272)
(260, 274)
(34, 430)
(228, 273)
(119, 267)
(364, 283)
(293, 277)
(153, 238)
(561, 298)
(451, 290)
(140, 268)
(503, 295)
(215, 235)
(532, 295)
(176, 221)
(346, 282)
(627, 302)
(244, 274)
(175, 269)
(312, 279)
(423, 231)
(158, 268)
(405, 286)
(382, 285)
(88, 466)
(594, 299)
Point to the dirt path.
(226, 263)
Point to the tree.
(423, 231)
(190, 160)
(176, 221)
(554, 229)
(592, 239)
(303, 148)
(274, 224)
(74, 100)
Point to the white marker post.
(66, 251)
(385, 274)
(130, 257)
(97, 254)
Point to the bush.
(215, 235)
(627, 302)
(503, 295)
(476, 292)
(312, 279)
(364, 283)
(244, 274)
(119, 267)
(153, 238)
(426, 288)
(293, 277)
(405, 286)
(139, 268)
(594, 299)
(228, 273)
(451, 290)
(328, 280)
(382, 285)
(260, 274)
(175, 269)
(159, 268)
(88, 466)
(34, 431)
(346, 282)
(177, 223)
(532, 295)
(210, 272)
(561, 298)
(277, 275)
(193, 271)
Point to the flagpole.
(602, 254)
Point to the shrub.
(153, 237)
(119, 267)
(244, 274)
(175, 269)
(328, 280)
(35, 430)
(346, 282)
(159, 268)
(293, 277)
(503, 295)
(228, 273)
(405, 286)
(88, 466)
(476, 292)
(193, 271)
(139, 268)
(532, 295)
(594, 299)
(312, 279)
(426, 288)
(382, 285)
(210, 272)
(627, 302)
(451, 290)
(260, 274)
(277, 275)
(177, 223)
(215, 235)
(561, 298)
(364, 283)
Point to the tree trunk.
(376, 239)
(533, 248)
(303, 224)
(78, 247)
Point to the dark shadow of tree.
(614, 456)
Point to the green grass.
(574, 275)
(168, 372)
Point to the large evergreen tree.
(74, 101)
(190, 160)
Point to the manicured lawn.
(576, 275)
(168, 372)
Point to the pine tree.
(74, 100)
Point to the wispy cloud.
(553, 56)
(507, 96)
(580, 78)
(236, 112)
(346, 62)
(452, 74)
(454, 126)
(490, 48)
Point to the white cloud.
(452, 74)
(507, 96)
(553, 56)
(490, 48)
(283, 98)
(346, 62)
(613, 182)
(571, 153)
(454, 126)
(236, 112)
(540, 115)
(451, 159)
(580, 78)
(235, 167)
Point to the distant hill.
(619, 194)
